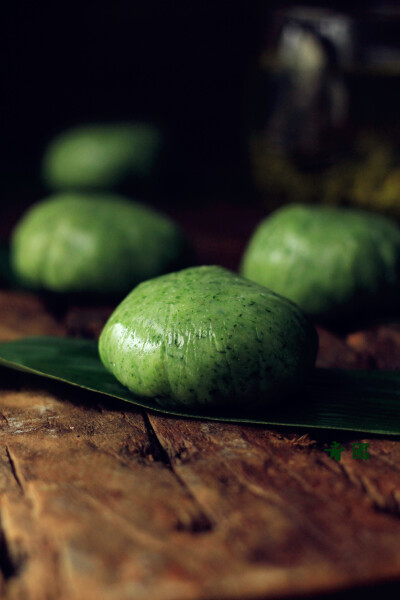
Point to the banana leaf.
(362, 401)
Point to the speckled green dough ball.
(99, 243)
(204, 336)
(101, 156)
(336, 264)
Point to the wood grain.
(23, 314)
(102, 501)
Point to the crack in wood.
(15, 470)
(275, 499)
(3, 416)
(352, 478)
(155, 449)
(385, 503)
(7, 566)
(202, 522)
(10, 566)
(384, 459)
(280, 464)
(142, 536)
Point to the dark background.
(184, 65)
(180, 64)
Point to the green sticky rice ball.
(100, 243)
(335, 263)
(101, 156)
(206, 337)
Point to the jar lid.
(364, 39)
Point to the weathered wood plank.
(25, 314)
(381, 344)
(336, 352)
(102, 501)
(281, 500)
(110, 512)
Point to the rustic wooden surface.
(99, 500)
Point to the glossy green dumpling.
(205, 336)
(335, 263)
(101, 156)
(98, 243)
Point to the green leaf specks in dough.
(205, 336)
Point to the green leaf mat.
(364, 401)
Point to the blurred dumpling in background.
(98, 243)
(102, 156)
(335, 263)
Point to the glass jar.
(325, 109)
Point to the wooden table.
(102, 501)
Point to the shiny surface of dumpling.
(205, 336)
(336, 264)
(94, 243)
